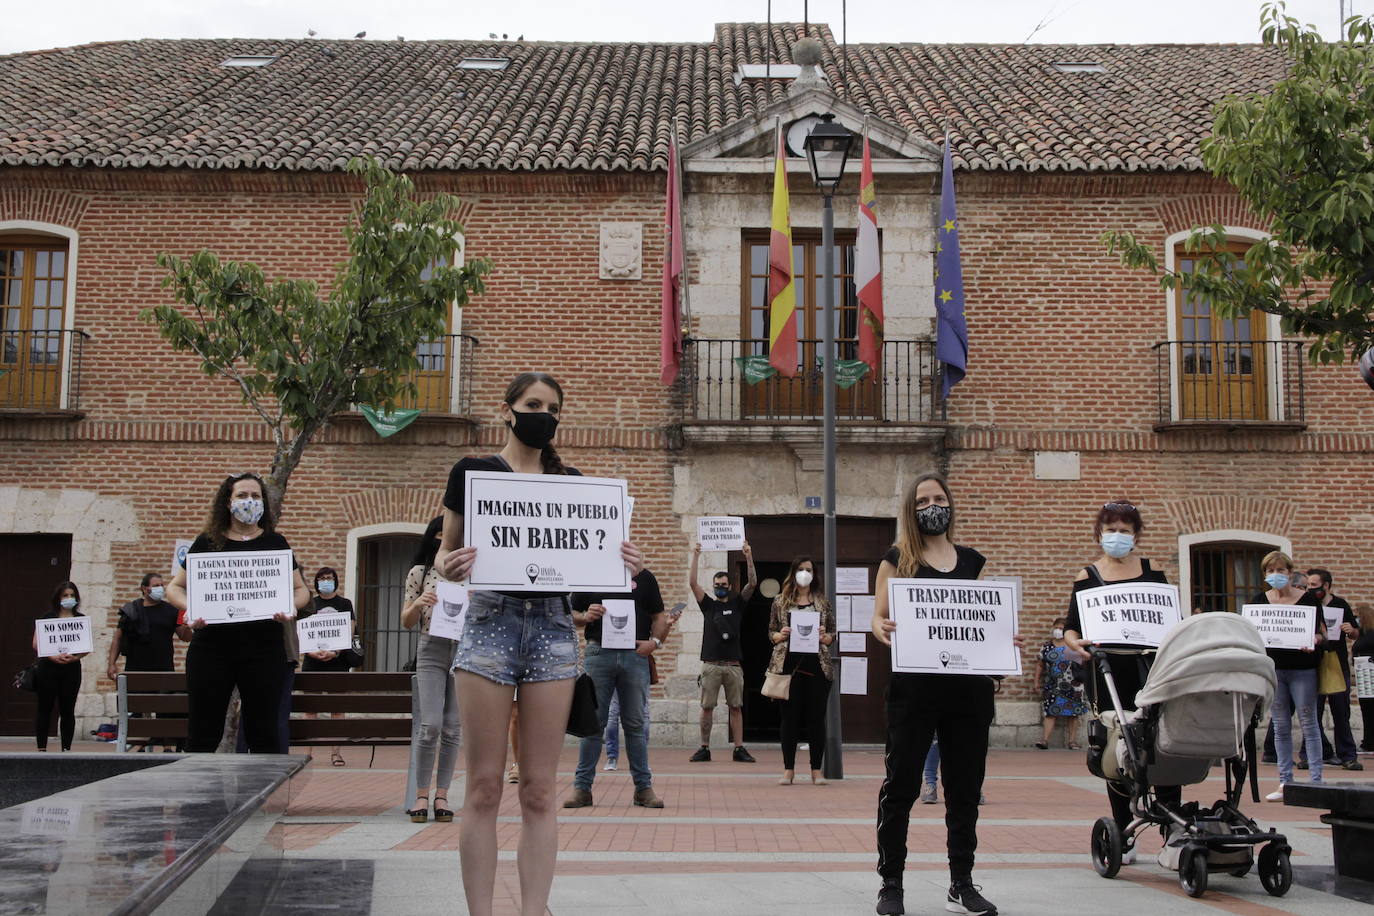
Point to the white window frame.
(69, 304)
(1187, 542)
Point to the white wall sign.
(238, 585)
(1283, 626)
(861, 613)
(854, 676)
(853, 642)
(618, 624)
(1129, 613)
(720, 532)
(325, 632)
(843, 608)
(59, 635)
(51, 818)
(954, 626)
(450, 611)
(545, 532)
(806, 632)
(851, 580)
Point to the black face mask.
(722, 591)
(535, 429)
(1319, 593)
(934, 520)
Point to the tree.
(1301, 155)
(298, 354)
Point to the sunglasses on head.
(1117, 505)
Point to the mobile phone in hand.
(676, 610)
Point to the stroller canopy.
(1208, 653)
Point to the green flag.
(389, 422)
(755, 368)
(849, 371)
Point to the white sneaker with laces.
(610, 763)
(1275, 796)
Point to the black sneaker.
(1352, 764)
(703, 755)
(743, 756)
(1269, 758)
(964, 898)
(890, 899)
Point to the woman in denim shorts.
(509, 640)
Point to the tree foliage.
(1302, 156)
(298, 354)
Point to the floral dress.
(1059, 695)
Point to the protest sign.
(179, 551)
(851, 580)
(1363, 673)
(1283, 626)
(545, 532)
(450, 611)
(720, 532)
(806, 632)
(325, 632)
(854, 676)
(954, 626)
(238, 585)
(1129, 613)
(618, 624)
(1334, 617)
(59, 635)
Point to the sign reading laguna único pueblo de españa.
(238, 585)
(954, 626)
(1132, 614)
(545, 532)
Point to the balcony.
(40, 372)
(443, 383)
(720, 403)
(1230, 385)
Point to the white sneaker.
(610, 763)
(1128, 855)
(1275, 796)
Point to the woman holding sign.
(957, 708)
(328, 601)
(511, 639)
(802, 602)
(246, 654)
(57, 678)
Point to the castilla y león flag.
(868, 272)
(782, 292)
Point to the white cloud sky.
(34, 26)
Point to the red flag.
(868, 273)
(782, 292)
(670, 342)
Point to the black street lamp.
(827, 150)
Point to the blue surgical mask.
(327, 586)
(721, 591)
(156, 592)
(1277, 580)
(1116, 544)
(67, 603)
(248, 511)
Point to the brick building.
(1085, 382)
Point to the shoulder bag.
(582, 718)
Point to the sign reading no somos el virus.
(238, 585)
(545, 532)
(954, 626)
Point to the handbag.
(1330, 677)
(353, 656)
(26, 679)
(777, 686)
(582, 718)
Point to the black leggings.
(250, 656)
(57, 685)
(806, 700)
(958, 708)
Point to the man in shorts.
(721, 656)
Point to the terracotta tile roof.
(163, 103)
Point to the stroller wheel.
(1107, 846)
(1192, 872)
(1275, 871)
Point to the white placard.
(1283, 626)
(806, 631)
(618, 624)
(331, 632)
(853, 642)
(851, 580)
(843, 607)
(1363, 672)
(48, 818)
(861, 613)
(179, 550)
(58, 635)
(1129, 613)
(720, 532)
(1334, 616)
(450, 611)
(629, 510)
(545, 532)
(954, 626)
(238, 585)
(854, 676)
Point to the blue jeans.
(1296, 689)
(625, 672)
(612, 733)
(932, 764)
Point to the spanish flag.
(782, 292)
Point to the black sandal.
(442, 815)
(419, 815)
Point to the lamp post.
(827, 149)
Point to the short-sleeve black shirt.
(648, 599)
(720, 634)
(148, 645)
(968, 565)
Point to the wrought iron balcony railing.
(1206, 382)
(41, 370)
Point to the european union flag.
(951, 331)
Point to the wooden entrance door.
(31, 565)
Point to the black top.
(264, 629)
(1129, 671)
(1295, 659)
(338, 604)
(1364, 645)
(648, 599)
(969, 565)
(455, 499)
(720, 632)
(1095, 580)
(146, 633)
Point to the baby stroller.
(1199, 704)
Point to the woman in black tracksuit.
(957, 708)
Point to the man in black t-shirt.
(143, 634)
(1340, 623)
(721, 656)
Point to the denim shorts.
(518, 641)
